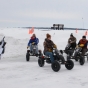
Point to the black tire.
(41, 62)
(82, 60)
(27, 56)
(55, 66)
(69, 64)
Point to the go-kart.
(33, 52)
(77, 55)
(58, 60)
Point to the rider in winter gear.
(72, 41)
(83, 44)
(33, 41)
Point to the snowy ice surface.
(15, 72)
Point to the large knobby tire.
(41, 62)
(55, 66)
(69, 64)
(27, 56)
(82, 60)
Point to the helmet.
(71, 35)
(83, 36)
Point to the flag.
(31, 30)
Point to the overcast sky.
(44, 13)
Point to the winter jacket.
(49, 45)
(84, 42)
(73, 40)
(35, 40)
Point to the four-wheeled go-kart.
(59, 59)
(33, 53)
(77, 55)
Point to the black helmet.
(83, 36)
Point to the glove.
(77, 46)
(33, 43)
(27, 47)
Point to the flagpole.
(83, 22)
